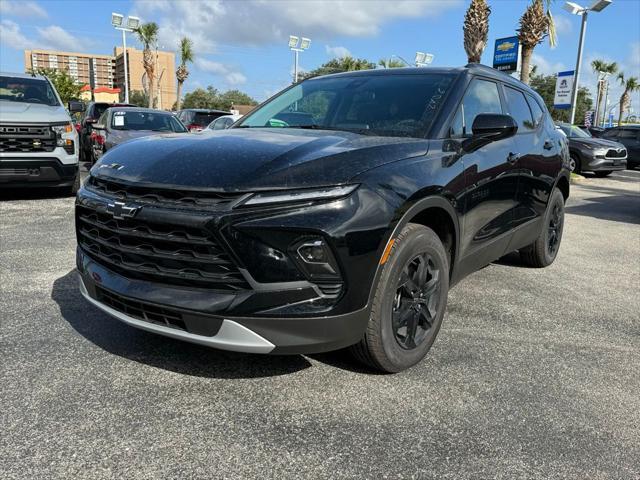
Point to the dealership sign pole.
(564, 87)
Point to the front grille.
(142, 194)
(142, 310)
(26, 139)
(330, 289)
(616, 154)
(176, 255)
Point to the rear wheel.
(544, 250)
(603, 173)
(409, 302)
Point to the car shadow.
(616, 207)
(8, 193)
(162, 352)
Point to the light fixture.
(423, 59)
(599, 5)
(116, 19)
(420, 56)
(133, 23)
(293, 41)
(305, 43)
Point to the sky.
(243, 43)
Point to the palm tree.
(630, 85)
(535, 25)
(186, 55)
(391, 63)
(148, 36)
(476, 29)
(602, 67)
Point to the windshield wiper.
(313, 126)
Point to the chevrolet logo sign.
(504, 46)
(121, 210)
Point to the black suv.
(91, 115)
(338, 213)
(629, 136)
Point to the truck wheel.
(543, 251)
(408, 304)
(73, 189)
(603, 173)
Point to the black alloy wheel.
(415, 305)
(554, 229)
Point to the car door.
(489, 196)
(630, 138)
(537, 163)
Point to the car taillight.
(96, 137)
(194, 127)
(77, 125)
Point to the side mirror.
(490, 127)
(98, 126)
(76, 106)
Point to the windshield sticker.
(118, 121)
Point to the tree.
(68, 88)
(186, 55)
(234, 97)
(602, 67)
(545, 85)
(138, 98)
(535, 25)
(630, 85)
(391, 63)
(148, 36)
(476, 29)
(336, 65)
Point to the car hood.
(253, 159)
(19, 112)
(120, 136)
(595, 142)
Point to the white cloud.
(337, 52)
(11, 36)
(256, 22)
(545, 67)
(57, 38)
(22, 9)
(231, 77)
(563, 24)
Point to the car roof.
(22, 75)
(140, 109)
(469, 69)
(204, 110)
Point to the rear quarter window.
(518, 108)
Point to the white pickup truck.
(38, 141)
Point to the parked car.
(38, 142)
(597, 155)
(117, 125)
(593, 131)
(92, 112)
(223, 122)
(344, 225)
(197, 119)
(629, 136)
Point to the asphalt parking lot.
(535, 374)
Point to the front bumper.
(36, 171)
(598, 164)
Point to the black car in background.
(119, 124)
(597, 155)
(196, 119)
(629, 136)
(91, 114)
(337, 214)
(593, 131)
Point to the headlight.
(299, 195)
(64, 133)
(600, 152)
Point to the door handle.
(548, 145)
(512, 158)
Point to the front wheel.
(603, 173)
(409, 302)
(544, 250)
(574, 164)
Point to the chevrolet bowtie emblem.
(121, 210)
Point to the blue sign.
(564, 88)
(505, 54)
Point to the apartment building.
(81, 66)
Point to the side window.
(630, 134)
(538, 114)
(611, 133)
(481, 97)
(519, 109)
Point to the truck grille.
(141, 194)
(177, 255)
(24, 138)
(612, 153)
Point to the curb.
(577, 179)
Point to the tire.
(602, 173)
(391, 348)
(544, 250)
(73, 189)
(574, 163)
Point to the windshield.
(27, 90)
(574, 132)
(396, 105)
(154, 121)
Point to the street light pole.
(126, 66)
(297, 45)
(117, 20)
(576, 77)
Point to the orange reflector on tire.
(387, 251)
